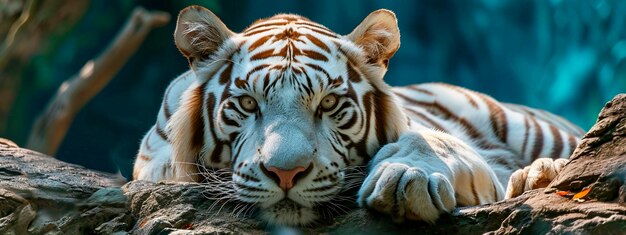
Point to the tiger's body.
(288, 105)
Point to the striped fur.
(457, 145)
(493, 129)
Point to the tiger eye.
(248, 103)
(329, 102)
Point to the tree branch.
(51, 127)
(31, 23)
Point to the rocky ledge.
(41, 195)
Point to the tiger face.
(287, 105)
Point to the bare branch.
(25, 29)
(51, 127)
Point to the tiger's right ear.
(379, 37)
(199, 33)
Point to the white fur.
(420, 174)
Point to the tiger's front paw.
(538, 175)
(406, 192)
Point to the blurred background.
(568, 57)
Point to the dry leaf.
(563, 193)
(582, 194)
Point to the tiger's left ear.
(378, 35)
(199, 33)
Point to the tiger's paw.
(538, 175)
(405, 192)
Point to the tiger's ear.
(378, 35)
(199, 33)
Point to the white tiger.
(289, 107)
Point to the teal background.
(567, 57)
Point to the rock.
(39, 194)
(599, 162)
(179, 207)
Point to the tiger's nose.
(286, 179)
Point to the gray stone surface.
(41, 195)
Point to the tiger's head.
(288, 105)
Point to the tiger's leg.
(427, 173)
(538, 175)
(553, 140)
(153, 160)
(508, 137)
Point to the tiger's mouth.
(316, 199)
(289, 212)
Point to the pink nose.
(285, 178)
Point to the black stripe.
(381, 102)
(350, 123)
(557, 147)
(198, 122)
(538, 144)
(247, 177)
(343, 156)
(238, 148)
(265, 24)
(361, 145)
(439, 110)
(229, 121)
(353, 74)
(161, 133)
(526, 131)
(225, 75)
(250, 188)
(572, 143)
(317, 30)
(258, 42)
(343, 106)
(317, 42)
(474, 192)
(420, 90)
(166, 108)
(320, 69)
(215, 156)
(433, 123)
(147, 142)
(497, 117)
(321, 189)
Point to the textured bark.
(50, 128)
(42, 195)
